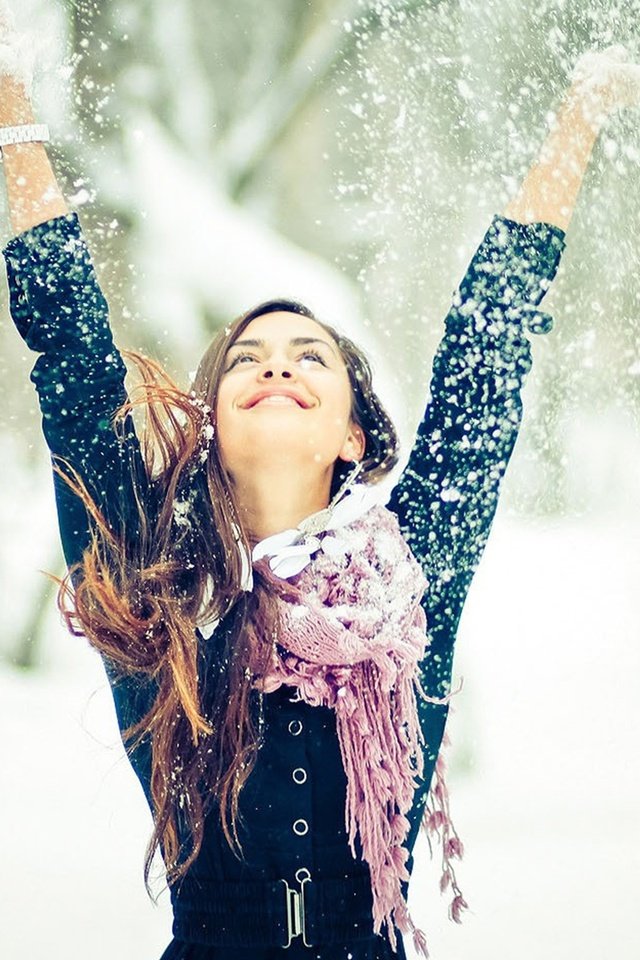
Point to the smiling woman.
(284, 417)
(303, 448)
(279, 641)
(170, 530)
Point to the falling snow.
(216, 160)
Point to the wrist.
(18, 120)
(15, 114)
(15, 105)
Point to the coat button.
(299, 775)
(295, 727)
(300, 827)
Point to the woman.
(279, 642)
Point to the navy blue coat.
(292, 806)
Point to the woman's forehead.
(282, 325)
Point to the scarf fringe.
(437, 820)
(404, 923)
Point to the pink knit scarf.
(353, 633)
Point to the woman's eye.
(238, 357)
(249, 356)
(316, 356)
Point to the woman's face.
(284, 398)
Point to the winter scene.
(320, 479)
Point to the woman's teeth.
(276, 398)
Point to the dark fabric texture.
(293, 805)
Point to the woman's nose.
(272, 369)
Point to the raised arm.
(447, 495)
(60, 311)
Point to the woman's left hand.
(605, 81)
(17, 59)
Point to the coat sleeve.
(447, 495)
(61, 313)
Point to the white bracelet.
(24, 133)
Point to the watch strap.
(24, 133)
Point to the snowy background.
(350, 153)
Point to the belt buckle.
(296, 921)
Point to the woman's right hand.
(606, 81)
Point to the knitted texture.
(353, 633)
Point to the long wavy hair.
(172, 563)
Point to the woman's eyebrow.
(294, 342)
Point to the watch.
(24, 133)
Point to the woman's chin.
(281, 449)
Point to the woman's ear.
(355, 443)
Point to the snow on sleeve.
(514, 266)
(53, 289)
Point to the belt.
(272, 913)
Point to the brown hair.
(145, 583)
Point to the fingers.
(7, 19)
(618, 52)
(17, 52)
(597, 64)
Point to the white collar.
(291, 550)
